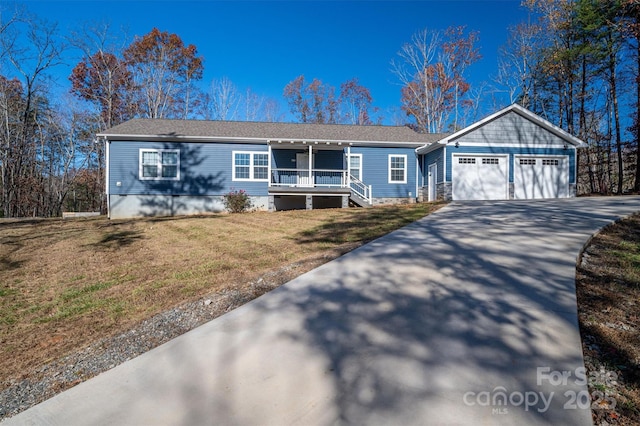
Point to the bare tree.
(431, 71)
(516, 64)
(225, 100)
(24, 108)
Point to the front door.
(302, 166)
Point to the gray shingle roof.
(201, 129)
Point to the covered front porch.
(316, 174)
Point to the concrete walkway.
(465, 317)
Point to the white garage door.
(479, 177)
(540, 177)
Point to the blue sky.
(265, 44)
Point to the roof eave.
(425, 149)
(236, 139)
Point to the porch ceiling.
(316, 146)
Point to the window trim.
(159, 176)
(360, 168)
(251, 166)
(404, 170)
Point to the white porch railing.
(305, 178)
(320, 178)
(360, 189)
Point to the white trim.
(389, 169)
(349, 164)
(270, 153)
(236, 139)
(415, 195)
(251, 166)
(515, 146)
(159, 164)
(432, 181)
(444, 166)
(106, 174)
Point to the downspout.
(311, 180)
(269, 163)
(106, 174)
(417, 170)
(349, 166)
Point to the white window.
(527, 161)
(251, 166)
(159, 164)
(355, 165)
(397, 169)
(550, 162)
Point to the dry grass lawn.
(608, 289)
(67, 283)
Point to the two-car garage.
(512, 154)
(486, 177)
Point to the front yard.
(65, 284)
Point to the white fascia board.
(273, 141)
(425, 149)
(524, 113)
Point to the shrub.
(237, 201)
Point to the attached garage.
(512, 154)
(540, 177)
(484, 177)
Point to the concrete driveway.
(465, 317)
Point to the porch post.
(269, 162)
(311, 180)
(348, 166)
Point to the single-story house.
(168, 167)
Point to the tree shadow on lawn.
(119, 239)
(363, 226)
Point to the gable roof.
(515, 108)
(240, 131)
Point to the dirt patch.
(608, 290)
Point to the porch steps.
(358, 200)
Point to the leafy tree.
(431, 71)
(104, 80)
(312, 103)
(164, 71)
(356, 102)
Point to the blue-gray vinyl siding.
(205, 169)
(375, 171)
(437, 157)
(512, 151)
(511, 129)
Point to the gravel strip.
(105, 354)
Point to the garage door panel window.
(490, 161)
(397, 169)
(550, 162)
(527, 161)
(466, 160)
